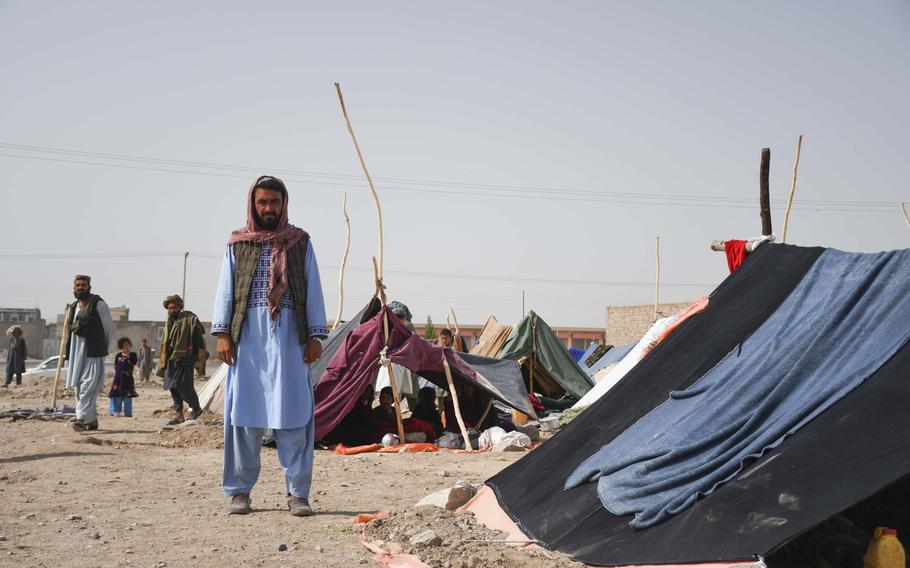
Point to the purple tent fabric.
(356, 363)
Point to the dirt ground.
(131, 494)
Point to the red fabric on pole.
(736, 253)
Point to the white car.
(46, 368)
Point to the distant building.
(577, 337)
(628, 323)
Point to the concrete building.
(629, 323)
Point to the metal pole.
(185, 256)
(523, 312)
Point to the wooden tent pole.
(906, 216)
(455, 319)
(344, 259)
(783, 235)
(66, 330)
(657, 282)
(363, 165)
(455, 405)
(395, 397)
(484, 415)
(531, 374)
(764, 191)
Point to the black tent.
(856, 454)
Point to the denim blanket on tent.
(845, 319)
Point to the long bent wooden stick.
(344, 259)
(363, 165)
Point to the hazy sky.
(537, 146)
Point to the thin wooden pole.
(764, 191)
(906, 216)
(363, 165)
(380, 287)
(398, 419)
(344, 259)
(455, 319)
(799, 145)
(657, 283)
(392, 382)
(455, 404)
(185, 257)
(531, 374)
(66, 330)
(484, 415)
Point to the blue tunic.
(269, 384)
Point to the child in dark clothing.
(426, 409)
(123, 389)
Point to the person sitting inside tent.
(356, 429)
(385, 412)
(385, 422)
(472, 406)
(427, 411)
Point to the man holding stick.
(269, 315)
(183, 338)
(90, 325)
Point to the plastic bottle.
(885, 551)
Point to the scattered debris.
(425, 537)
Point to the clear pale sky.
(604, 104)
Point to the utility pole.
(186, 255)
(523, 303)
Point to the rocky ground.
(135, 494)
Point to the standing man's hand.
(313, 351)
(225, 348)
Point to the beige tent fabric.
(211, 397)
(492, 337)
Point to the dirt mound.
(205, 432)
(465, 542)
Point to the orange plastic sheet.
(415, 448)
(699, 305)
(695, 308)
(343, 450)
(367, 517)
(393, 557)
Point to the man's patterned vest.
(247, 255)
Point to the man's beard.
(81, 295)
(173, 317)
(266, 225)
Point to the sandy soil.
(132, 494)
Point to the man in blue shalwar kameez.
(269, 316)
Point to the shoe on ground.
(195, 414)
(82, 426)
(240, 505)
(300, 506)
(176, 420)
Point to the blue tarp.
(576, 353)
(845, 319)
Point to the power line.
(424, 186)
(392, 272)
